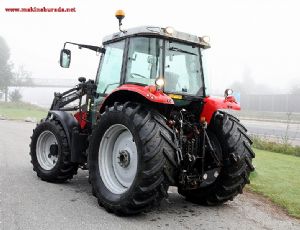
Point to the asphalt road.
(29, 203)
(274, 130)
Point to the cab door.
(110, 71)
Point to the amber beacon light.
(120, 14)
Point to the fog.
(260, 38)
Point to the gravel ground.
(29, 203)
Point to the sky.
(260, 39)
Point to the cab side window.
(109, 74)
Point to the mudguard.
(136, 92)
(212, 104)
(67, 120)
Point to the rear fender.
(212, 104)
(137, 93)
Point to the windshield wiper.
(180, 50)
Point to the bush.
(278, 147)
(15, 96)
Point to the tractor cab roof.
(155, 31)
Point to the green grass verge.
(20, 111)
(277, 177)
(277, 147)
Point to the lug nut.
(216, 174)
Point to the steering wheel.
(138, 75)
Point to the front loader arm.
(84, 88)
(62, 99)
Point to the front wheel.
(237, 162)
(131, 159)
(50, 152)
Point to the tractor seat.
(171, 81)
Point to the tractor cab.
(162, 57)
(152, 64)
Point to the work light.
(159, 82)
(169, 30)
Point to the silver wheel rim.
(45, 140)
(117, 158)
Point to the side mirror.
(65, 58)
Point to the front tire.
(237, 162)
(140, 136)
(50, 152)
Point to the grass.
(277, 177)
(20, 111)
(275, 146)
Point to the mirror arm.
(94, 48)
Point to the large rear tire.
(131, 159)
(50, 152)
(237, 162)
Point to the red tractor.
(145, 123)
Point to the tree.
(247, 85)
(6, 76)
(15, 96)
(22, 77)
(295, 89)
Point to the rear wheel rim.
(46, 160)
(117, 159)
